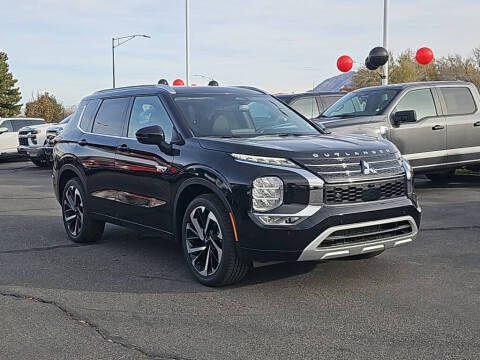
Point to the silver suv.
(435, 125)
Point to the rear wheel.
(442, 176)
(208, 243)
(79, 224)
(365, 256)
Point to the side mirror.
(3, 130)
(406, 116)
(152, 135)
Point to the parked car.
(436, 125)
(9, 134)
(51, 133)
(310, 104)
(31, 142)
(232, 173)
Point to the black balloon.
(378, 56)
(163, 82)
(369, 65)
(212, 83)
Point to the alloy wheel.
(204, 242)
(73, 210)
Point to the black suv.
(233, 174)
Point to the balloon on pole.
(178, 82)
(424, 56)
(344, 63)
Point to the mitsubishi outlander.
(234, 175)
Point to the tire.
(441, 177)
(208, 243)
(365, 256)
(39, 162)
(79, 224)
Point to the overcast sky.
(64, 46)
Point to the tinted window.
(18, 124)
(87, 115)
(330, 100)
(240, 116)
(109, 119)
(149, 111)
(306, 106)
(7, 124)
(419, 100)
(366, 102)
(459, 100)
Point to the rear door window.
(87, 115)
(459, 100)
(307, 106)
(110, 117)
(419, 100)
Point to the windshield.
(362, 103)
(230, 115)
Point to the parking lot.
(131, 296)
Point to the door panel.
(423, 143)
(463, 124)
(144, 171)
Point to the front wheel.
(208, 243)
(79, 224)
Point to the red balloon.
(424, 56)
(178, 82)
(344, 63)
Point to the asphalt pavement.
(130, 296)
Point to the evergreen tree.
(9, 94)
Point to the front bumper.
(301, 242)
(35, 152)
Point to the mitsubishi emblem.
(366, 169)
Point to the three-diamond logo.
(366, 169)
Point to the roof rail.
(133, 87)
(252, 88)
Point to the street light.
(385, 39)
(119, 41)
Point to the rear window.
(459, 100)
(87, 113)
(110, 117)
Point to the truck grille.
(23, 141)
(346, 167)
(364, 192)
(367, 233)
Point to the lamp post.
(385, 39)
(187, 43)
(116, 42)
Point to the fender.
(76, 169)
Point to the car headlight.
(265, 160)
(267, 193)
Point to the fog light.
(278, 220)
(267, 193)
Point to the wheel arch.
(67, 172)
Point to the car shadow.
(457, 181)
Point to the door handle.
(123, 148)
(477, 123)
(438, 127)
(82, 142)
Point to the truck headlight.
(267, 193)
(409, 173)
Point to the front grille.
(23, 141)
(367, 233)
(364, 192)
(346, 167)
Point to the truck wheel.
(365, 256)
(79, 224)
(442, 177)
(208, 243)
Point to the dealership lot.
(131, 296)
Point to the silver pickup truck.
(435, 125)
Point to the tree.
(47, 107)
(9, 94)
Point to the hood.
(296, 146)
(36, 127)
(57, 127)
(337, 122)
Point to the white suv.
(9, 128)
